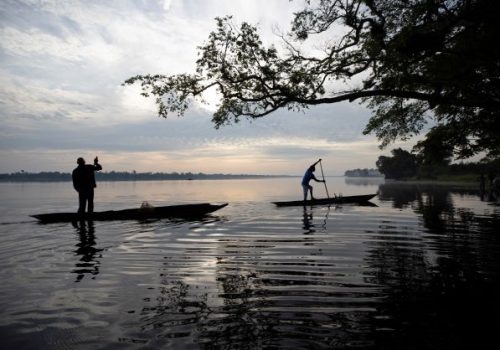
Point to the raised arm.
(319, 160)
(97, 166)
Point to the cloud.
(62, 65)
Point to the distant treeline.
(363, 173)
(404, 165)
(54, 176)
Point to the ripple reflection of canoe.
(171, 211)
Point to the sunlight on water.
(410, 272)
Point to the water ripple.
(256, 277)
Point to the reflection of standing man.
(84, 183)
(89, 262)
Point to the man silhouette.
(84, 183)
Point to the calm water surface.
(420, 270)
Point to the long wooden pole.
(324, 181)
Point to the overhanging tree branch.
(419, 59)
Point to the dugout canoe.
(361, 199)
(171, 211)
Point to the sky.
(62, 65)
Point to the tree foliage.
(435, 149)
(401, 165)
(415, 61)
(434, 153)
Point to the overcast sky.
(62, 64)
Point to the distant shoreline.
(127, 176)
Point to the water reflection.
(419, 289)
(322, 213)
(307, 220)
(364, 181)
(421, 271)
(491, 196)
(438, 287)
(89, 254)
(432, 203)
(402, 194)
(266, 291)
(304, 281)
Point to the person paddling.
(308, 176)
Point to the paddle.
(324, 181)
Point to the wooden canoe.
(361, 199)
(171, 211)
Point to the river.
(420, 269)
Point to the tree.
(401, 165)
(416, 61)
(435, 153)
(436, 149)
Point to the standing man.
(84, 183)
(308, 176)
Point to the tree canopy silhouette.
(410, 62)
(401, 165)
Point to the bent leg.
(305, 189)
